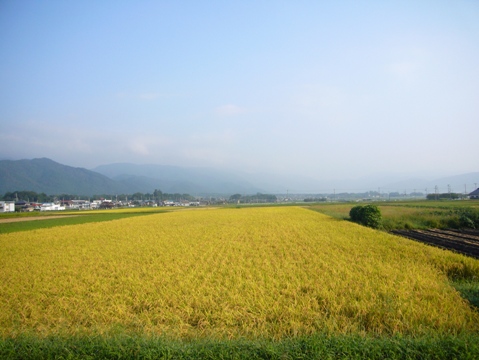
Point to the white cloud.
(205, 155)
(150, 96)
(219, 137)
(73, 145)
(138, 147)
(318, 97)
(407, 62)
(150, 145)
(229, 110)
(147, 96)
(403, 69)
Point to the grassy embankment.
(409, 214)
(253, 283)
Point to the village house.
(7, 206)
(51, 207)
(474, 195)
(23, 206)
(68, 204)
(107, 204)
(81, 204)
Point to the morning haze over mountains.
(228, 97)
(50, 177)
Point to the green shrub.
(371, 216)
(368, 215)
(355, 213)
(468, 218)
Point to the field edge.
(463, 346)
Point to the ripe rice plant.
(266, 273)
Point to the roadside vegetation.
(277, 282)
(319, 346)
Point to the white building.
(7, 206)
(51, 207)
(81, 204)
(95, 204)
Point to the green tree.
(368, 215)
(235, 197)
(29, 196)
(354, 213)
(158, 195)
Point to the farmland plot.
(229, 273)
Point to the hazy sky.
(327, 89)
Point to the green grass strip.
(314, 347)
(50, 221)
(469, 290)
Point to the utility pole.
(435, 190)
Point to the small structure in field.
(474, 195)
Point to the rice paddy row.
(249, 273)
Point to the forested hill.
(47, 176)
(175, 179)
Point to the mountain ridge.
(174, 179)
(50, 177)
(44, 175)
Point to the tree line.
(258, 198)
(445, 196)
(32, 196)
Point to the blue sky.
(324, 89)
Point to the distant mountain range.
(173, 179)
(47, 176)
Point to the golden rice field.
(229, 273)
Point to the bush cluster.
(468, 218)
(367, 215)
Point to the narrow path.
(32, 218)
